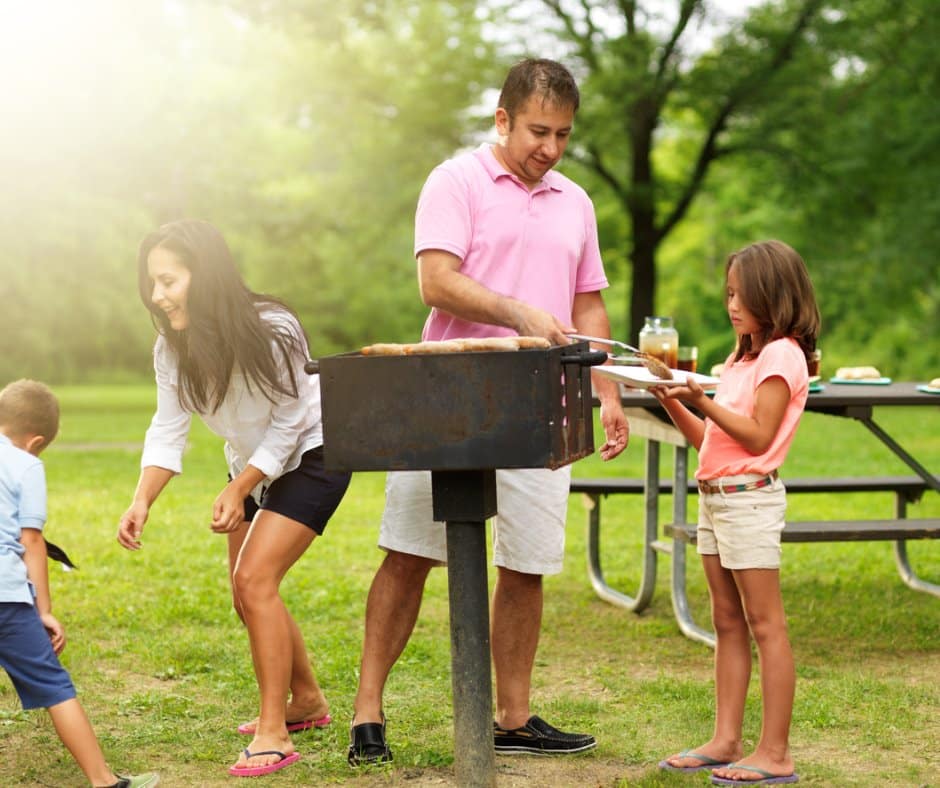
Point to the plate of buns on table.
(860, 375)
(930, 388)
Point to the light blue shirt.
(22, 505)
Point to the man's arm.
(443, 286)
(590, 317)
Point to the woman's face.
(170, 283)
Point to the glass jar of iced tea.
(659, 338)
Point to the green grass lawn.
(162, 664)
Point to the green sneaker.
(148, 780)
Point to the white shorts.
(528, 530)
(743, 528)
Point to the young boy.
(30, 636)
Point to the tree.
(846, 170)
(643, 83)
(303, 130)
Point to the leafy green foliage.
(305, 130)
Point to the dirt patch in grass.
(584, 771)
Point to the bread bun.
(383, 349)
(468, 344)
(935, 383)
(716, 370)
(431, 346)
(488, 344)
(533, 342)
(858, 373)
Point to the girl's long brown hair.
(776, 288)
(225, 332)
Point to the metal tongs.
(603, 341)
(654, 365)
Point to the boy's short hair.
(28, 407)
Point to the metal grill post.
(465, 499)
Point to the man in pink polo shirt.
(505, 246)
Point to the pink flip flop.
(248, 728)
(257, 771)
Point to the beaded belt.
(711, 489)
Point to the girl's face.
(170, 280)
(742, 320)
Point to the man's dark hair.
(547, 79)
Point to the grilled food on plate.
(655, 366)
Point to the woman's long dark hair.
(225, 331)
(776, 288)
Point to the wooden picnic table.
(855, 401)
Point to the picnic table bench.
(647, 419)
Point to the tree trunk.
(643, 291)
(642, 210)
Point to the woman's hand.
(131, 525)
(228, 511)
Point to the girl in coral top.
(742, 440)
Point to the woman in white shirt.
(235, 358)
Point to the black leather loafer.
(537, 737)
(367, 744)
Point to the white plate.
(861, 381)
(928, 389)
(642, 378)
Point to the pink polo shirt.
(720, 454)
(537, 246)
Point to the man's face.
(534, 140)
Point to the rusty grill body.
(461, 416)
(457, 411)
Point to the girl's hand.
(659, 392)
(228, 511)
(131, 525)
(55, 631)
(691, 392)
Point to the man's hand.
(530, 321)
(616, 429)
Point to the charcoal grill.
(461, 416)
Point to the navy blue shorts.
(26, 654)
(308, 494)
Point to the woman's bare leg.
(307, 701)
(272, 545)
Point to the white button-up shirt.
(271, 436)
